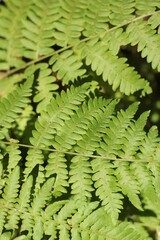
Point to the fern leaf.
(46, 85)
(12, 185)
(67, 65)
(67, 136)
(104, 63)
(143, 172)
(14, 155)
(81, 178)
(148, 43)
(95, 18)
(115, 131)
(133, 137)
(119, 129)
(11, 49)
(107, 188)
(144, 178)
(44, 193)
(47, 125)
(6, 236)
(70, 24)
(30, 217)
(62, 219)
(16, 101)
(154, 20)
(80, 165)
(124, 177)
(127, 232)
(115, 46)
(9, 195)
(37, 39)
(25, 196)
(155, 168)
(38, 229)
(95, 230)
(117, 8)
(149, 144)
(57, 166)
(3, 215)
(147, 7)
(50, 225)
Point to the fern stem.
(78, 154)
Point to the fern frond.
(9, 84)
(115, 46)
(25, 196)
(9, 196)
(95, 19)
(14, 155)
(148, 149)
(57, 166)
(6, 236)
(42, 196)
(124, 176)
(107, 188)
(52, 119)
(67, 65)
(38, 229)
(114, 70)
(15, 102)
(12, 185)
(69, 135)
(146, 7)
(155, 168)
(11, 49)
(134, 137)
(72, 165)
(45, 84)
(38, 39)
(141, 34)
(103, 228)
(32, 217)
(70, 24)
(116, 131)
(143, 175)
(80, 173)
(154, 20)
(121, 11)
(127, 231)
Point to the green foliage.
(74, 162)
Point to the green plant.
(77, 161)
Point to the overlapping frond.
(43, 29)
(38, 37)
(115, 70)
(52, 119)
(121, 11)
(86, 137)
(12, 106)
(67, 65)
(11, 48)
(145, 37)
(45, 84)
(69, 160)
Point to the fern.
(75, 161)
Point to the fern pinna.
(75, 161)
